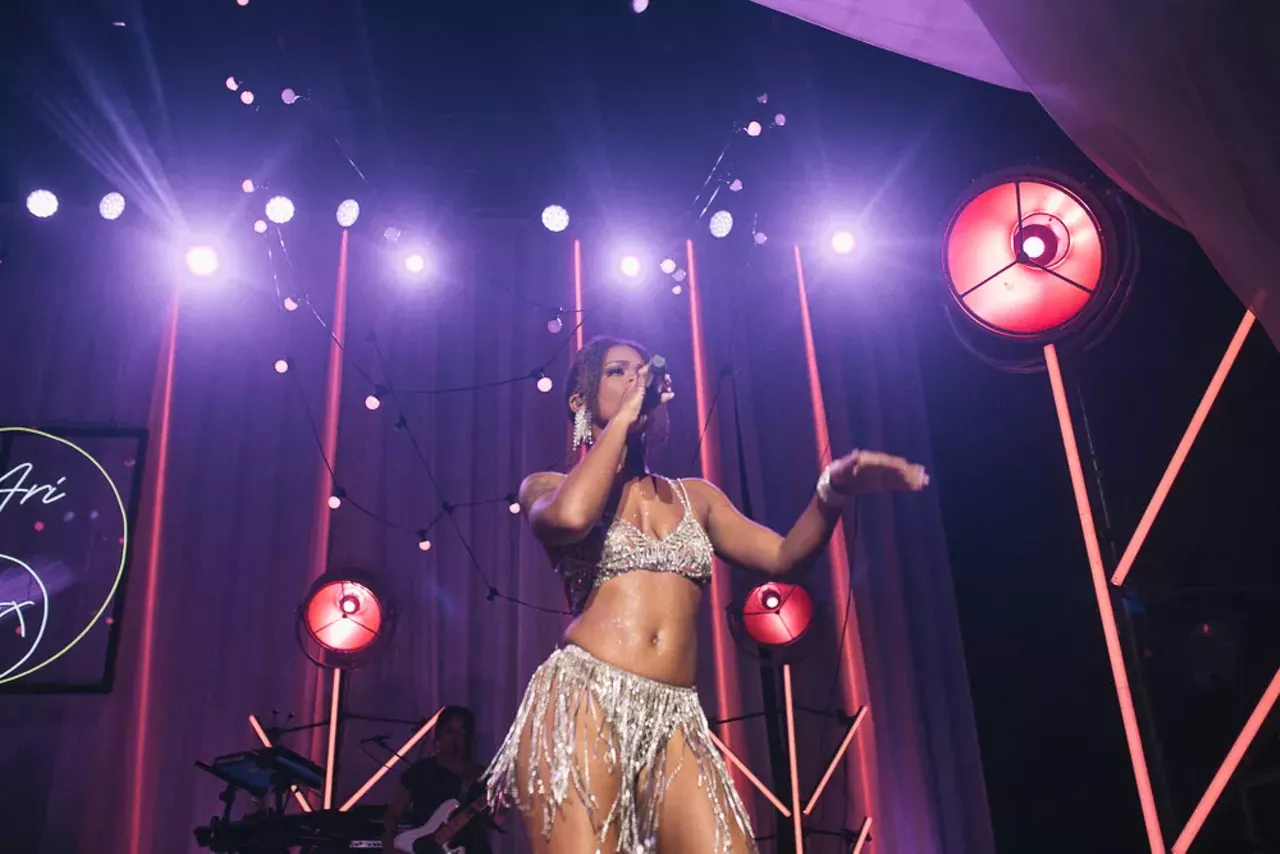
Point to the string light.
(667, 266)
(424, 542)
(260, 226)
(246, 97)
(677, 290)
(374, 401)
(760, 238)
(679, 275)
(639, 6)
(290, 304)
(247, 185)
(544, 383)
(233, 84)
(513, 504)
(780, 120)
(335, 498)
(282, 366)
(555, 324)
(754, 128)
(735, 186)
(289, 96)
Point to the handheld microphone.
(657, 373)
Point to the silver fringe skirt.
(579, 710)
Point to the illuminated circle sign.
(33, 486)
(1025, 258)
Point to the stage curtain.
(82, 340)
(1169, 100)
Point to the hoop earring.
(581, 429)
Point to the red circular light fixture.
(1027, 257)
(344, 617)
(776, 614)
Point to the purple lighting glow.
(202, 261)
(629, 266)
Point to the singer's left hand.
(863, 472)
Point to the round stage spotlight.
(843, 243)
(202, 261)
(42, 204)
(1026, 256)
(555, 218)
(279, 209)
(415, 263)
(721, 224)
(777, 614)
(629, 266)
(348, 213)
(111, 206)
(344, 617)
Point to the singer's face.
(617, 377)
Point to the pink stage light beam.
(386, 766)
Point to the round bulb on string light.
(111, 206)
(424, 543)
(233, 84)
(372, 402)
(242, 2)
(721, 224)
(42, 204)
(246, 97)
(247, 185)
(639, 6)
(260, 226)
(289, 96)
(290, 304)
(348, 213)
(544, 383)
(513, 505)
(282, 366)
(754, 128)
(762, 98)
(555, 324)
(335, 498)
(679, 275)
(780, 120)
(677, 290)
(667, 266)
(555, 218)
(735, 186)
(760, 238)
(279, 209)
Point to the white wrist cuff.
(826, 493)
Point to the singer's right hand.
(633, 399)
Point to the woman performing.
(610, 750)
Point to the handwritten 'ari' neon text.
(14, 482)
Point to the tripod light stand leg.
(1110, 632)
(835, 760)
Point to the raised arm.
(741, 541)
(562, 509)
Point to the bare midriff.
(643, 622)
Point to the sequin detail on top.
(622, 547)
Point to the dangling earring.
(581, 429)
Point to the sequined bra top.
(618, 547)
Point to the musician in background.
(450, 772)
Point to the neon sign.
(47, 475)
